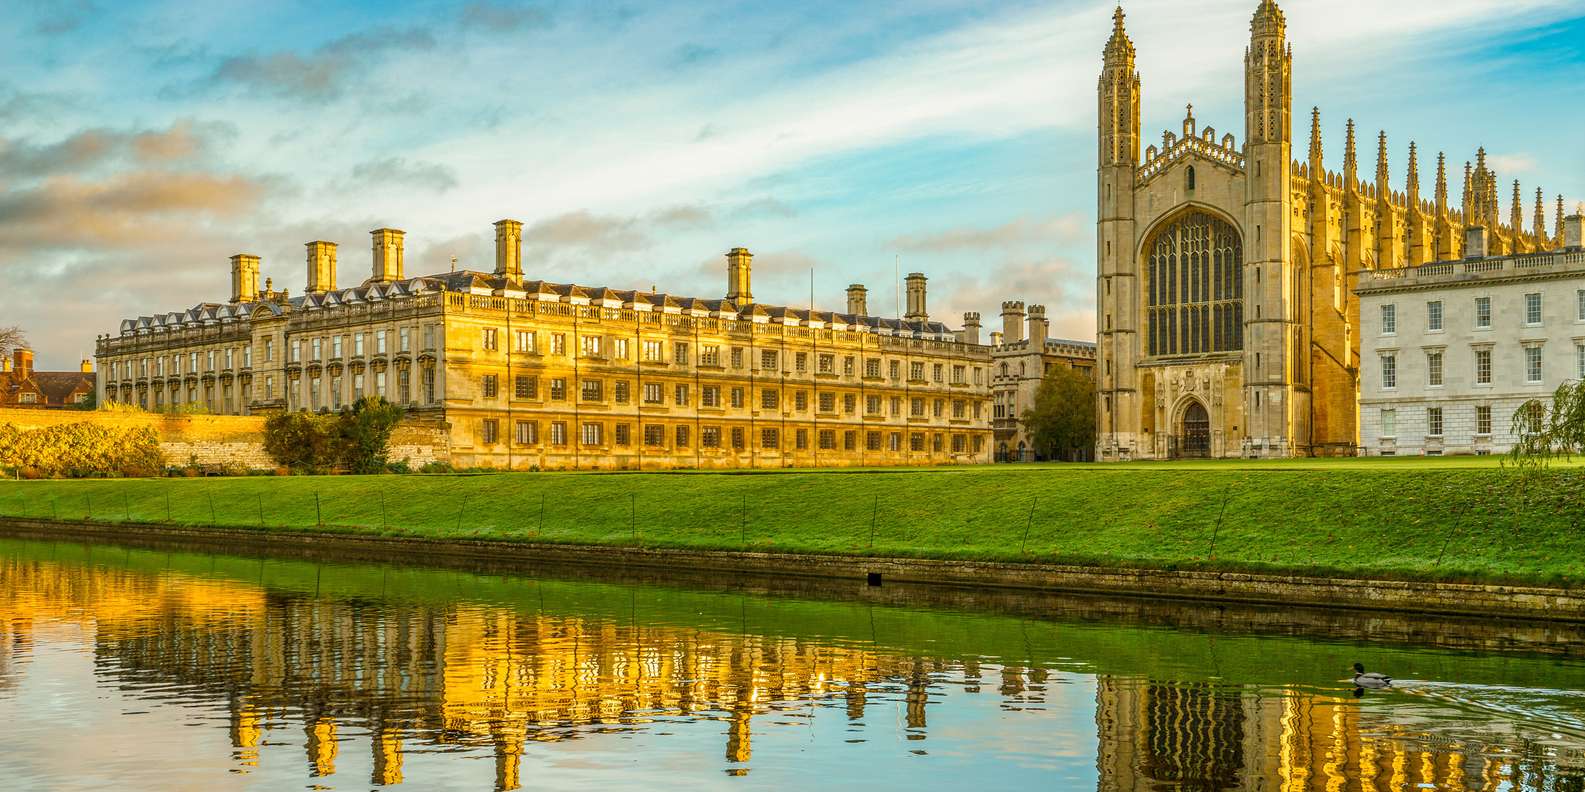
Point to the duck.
(1371, 679)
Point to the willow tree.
(1544, 433)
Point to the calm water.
(153, 668)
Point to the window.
(192, 359)
(768, 399)
(1483, 419)
(1433, 368)
(429, 384)
(624, 435)
(558, 343)
(654, 351)
(1389, 371)
(737, 437)
(872, 405)
(592, 390)
(619, 392)
(1389, 423)
(680, 437)
(1532, 308)
(619, 348)
(710, 355)
(1533, 414)
(357, 345)
(1579, 358)
(487, 430)
(960, 409)
(894, 369)
(916, 372)
(801, 362)
(335, 348)
(768, 439)
(737, 398)
(1195, 287)
(894, 441)
(679, 353)
(916, 407)
(1433, 421)
(958, 444)
(1433, 315)
(404, 339)
(847, 366)
(679, 395)
(429, 336)
(654, 435)
(850, 440)
(1579, 305)
(269, 350)
(558, 433)
(1532, 364)
(958, 373)
(653, 393)
(936, 372)
(404, 381)
(800, 401)
(916, 441)
(592, 434)
(849, 403)
(872, 441)
(828, 401)
(938, 407)
(872, 367)
(826, 364)
(591, 346)
(558, 389)
(801, 439)
(489, 386)
(767, 359)
(527, 433)
(737, 357)
(1389, 319)
(710, 396)
(710, 437)
(379, 342)
(827, 440)
(1483, 366)
(527, 387)
(209, 360)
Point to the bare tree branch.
(10, 339)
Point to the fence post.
(55, 513)
(382, 510)
(261, 510)
(213, 518)
(874, 513)
(167, 503)
(632, 498)
(126, 505)
(541, 527)
(319, 514)
(90, 499)
(1023, 549)
(460, 509)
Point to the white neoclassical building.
(1451, 351)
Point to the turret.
(1012, 322)
(971, 328)
(1038, 327)
(1119, 97)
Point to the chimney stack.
(971, 328)
(996, 338)
(87, 366)
(1012, 322)
(244, 278)
(914, 286)
(1475, 242)
(387, 254)
(509, 249)
(738, 264)
(1037, 327)
(858, 300)
(321, 267)
(23, 358)
(1574, 230)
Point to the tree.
(365, 432)
(1061, 425)
(355, 440)
(1543, 433)
(10, 339)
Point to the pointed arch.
(1194, 285)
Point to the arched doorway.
(1195, 432)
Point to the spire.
(1350, 161)
(1381, 165)
(1412, 179)
(1118, 47)
(1559, 225)
(1315, 142)
(1268, 20)
(1516, 209)
(1441, 183)
(1268, 79)
(1540, 218)
(1469, 193)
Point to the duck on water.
(1370, 679)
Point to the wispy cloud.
(319, 75)
(394, 171)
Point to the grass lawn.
(1459, 518)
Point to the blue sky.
(141, 144)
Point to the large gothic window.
(1196, 287)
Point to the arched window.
(1189, 178)
(1196, 287)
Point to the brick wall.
(227, 439)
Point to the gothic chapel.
(1226, 318)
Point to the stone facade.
(532, 374)
(1451, 355)
(1231, 266)
(1019, 363)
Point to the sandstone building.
(527, 373)
(1227, 321)
(1019, 363)
(1456, 353)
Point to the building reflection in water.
(392, 674)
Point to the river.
(170, 667)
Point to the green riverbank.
(1453, 520)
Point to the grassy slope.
(1457, 519)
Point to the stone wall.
(227, 439)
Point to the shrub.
(365, 434)
(355, 440)
(80, 450)
(299, 441)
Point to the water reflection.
(361, 679)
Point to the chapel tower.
(1117, 270)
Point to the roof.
(475, 282)
(57, 386)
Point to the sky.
(144, 143)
